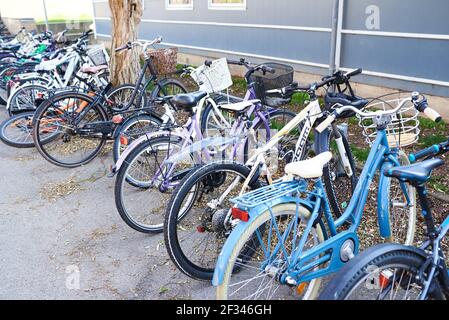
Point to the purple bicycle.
(153, 165)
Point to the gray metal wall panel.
(409, 57)
(418, 16)
(103, 27)
(295, 45)
(419, 58)
(311, 13)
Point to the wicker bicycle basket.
(164, 60)
(282, 77)
(98, 56)
(402, 131)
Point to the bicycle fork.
(344, 159)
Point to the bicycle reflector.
(123, 140)
(240, 214)
(117, 119)
(384, 278)
(300, 288)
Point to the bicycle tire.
(182, 260)
(40, 112)
(253, 225)
(122, 179)
(129, 123)
(343, 284)
(331, 190)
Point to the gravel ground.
(46, 238)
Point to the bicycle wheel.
(402, 216)
(26, 98)
(137, 187)
(17, 131)
(132, 129)
(169, 87)
(78, 125)
(120, 97)
(213, 121)
(338, 185)
(383, 272)
(194, 230)
(253, 281)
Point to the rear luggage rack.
(266, 194)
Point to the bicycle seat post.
(426, 210)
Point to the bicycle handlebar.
(316, 85)
(421, 106)
(143, 44)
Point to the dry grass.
(55, 190)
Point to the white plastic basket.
(98, 55)
(215, 78)
(401, 132)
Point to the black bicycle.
(83, 122)
(398, 272)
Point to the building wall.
(401, 44)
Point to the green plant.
(426, 123)
(427, 141)
(361, 154)
(239, 84)
(436, 183)
(300, 98)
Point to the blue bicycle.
(287, 238)
(398, 272)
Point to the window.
(179, 4)
(227, 4)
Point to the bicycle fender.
(383, 202)
(241, 227)
(137, 142)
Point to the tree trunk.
(125, 16)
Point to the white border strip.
(239, 25)
(236, 25)
(400, 77)
(306, 63)
(430, 36)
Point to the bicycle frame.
(328, 254)
(191, 131)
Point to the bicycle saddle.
(418, 172)
(93, 70)
(239, 106)
(188, 100)
(310, 168)
(332, 98)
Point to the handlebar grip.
(239, 63)
(268, 69)
(208, 63)
(432, 150)
(326, 123)
(354, 72)
(158, 39)
(432, 114)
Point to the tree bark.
(125, 16)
